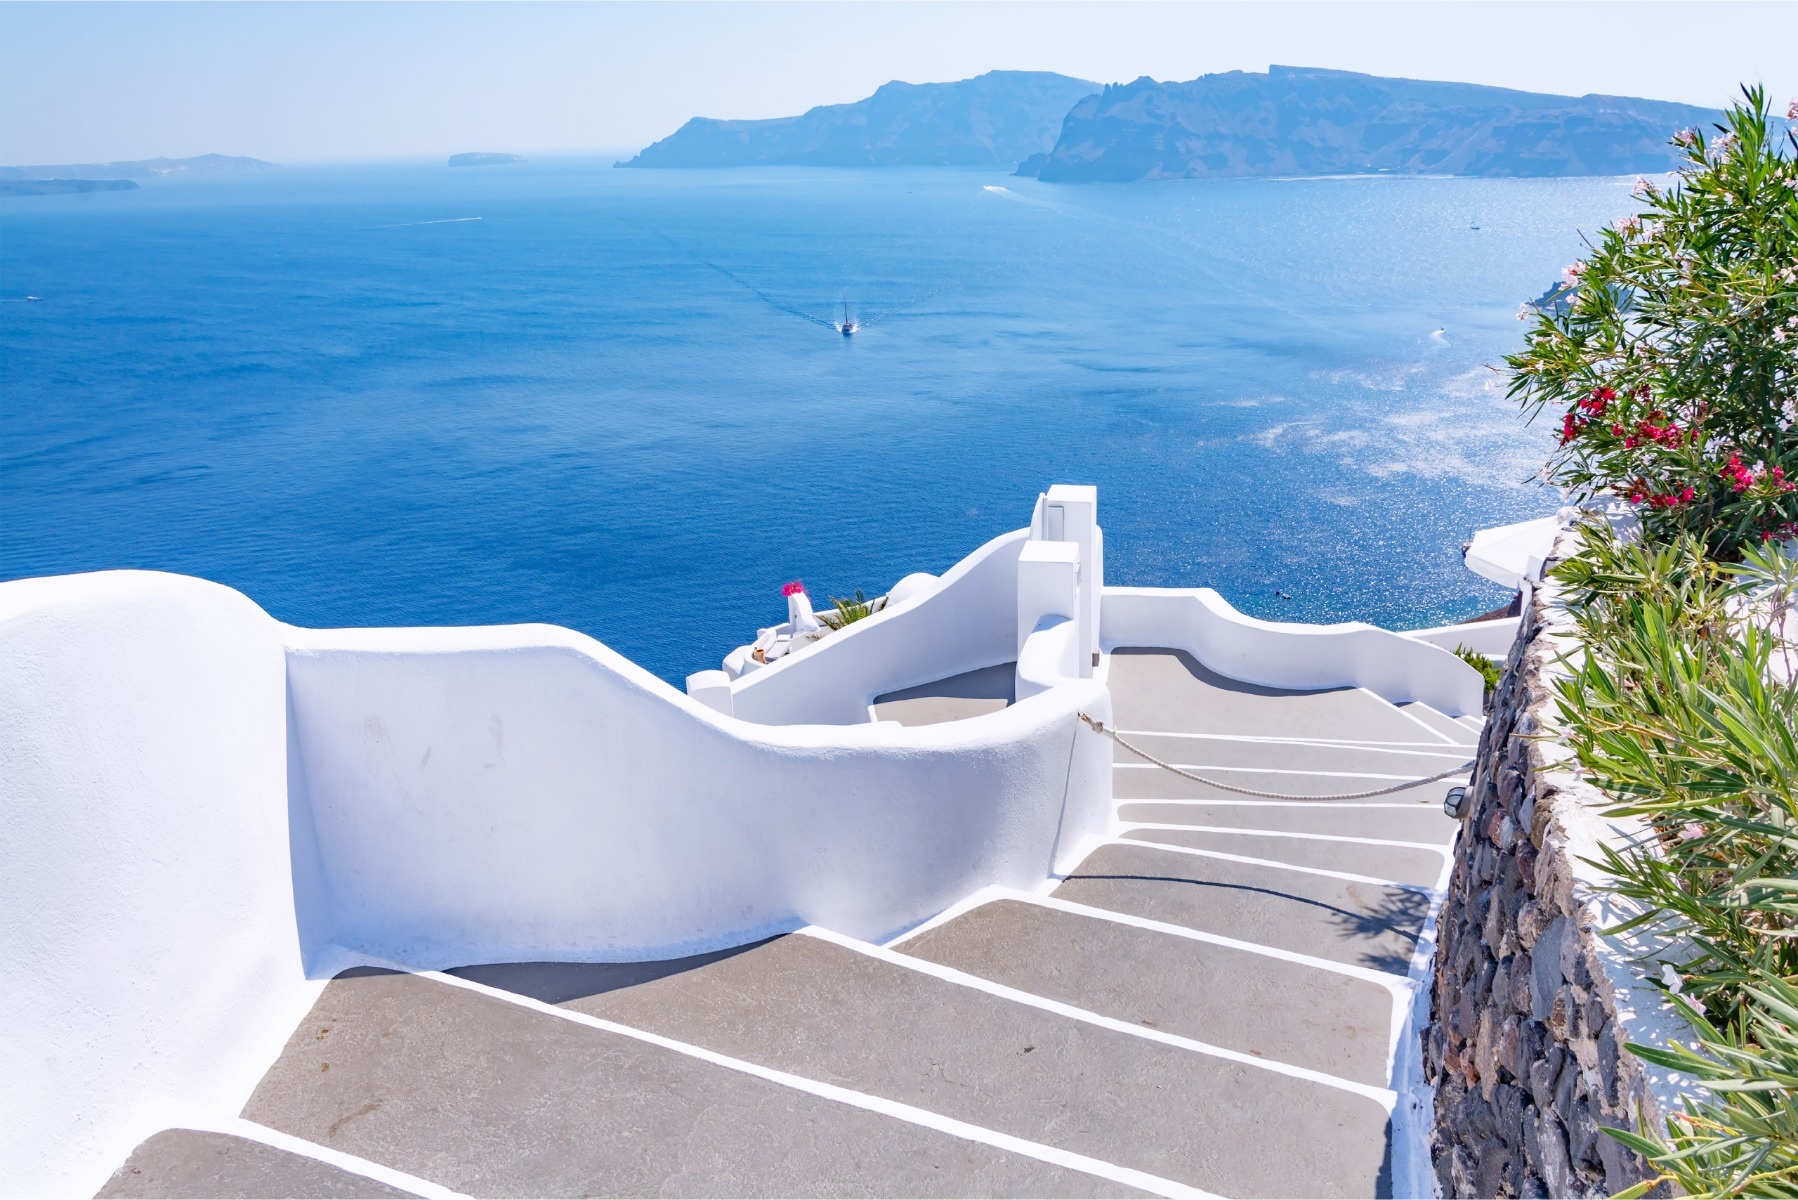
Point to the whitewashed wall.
(523, 793)
(1286, 655)
(147, 899)
(961, 622)
(203, 807)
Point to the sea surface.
(615, 399)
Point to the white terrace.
(494, 911)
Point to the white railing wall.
(1288, 655)
(964, 621)
(207, 812)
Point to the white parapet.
(1048, 585)
(209, 812)
(1291, 655)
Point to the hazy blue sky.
(307, 82)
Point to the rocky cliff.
(996, 119)
(1303, 121)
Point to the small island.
(63, 187)
(483, 158)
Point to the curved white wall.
(1279, 654)
(965, 621)
(147, 902)
(525, 793)
(202, 806)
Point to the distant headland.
(1303, 121)
(62, 187)
(143, 168)
(996, 119)
(1284, 121)
(484, 158)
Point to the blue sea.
(615, 400)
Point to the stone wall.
(1532, 1004)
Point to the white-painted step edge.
(186, 1117)
(1385, 1097)
(1445, 850)
(1347, 876)
(923, 1118)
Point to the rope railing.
(1099, 727)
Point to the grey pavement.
(970, 694)
(1222, 995)
(491, 1099)
(190, 1164)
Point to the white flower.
(1779, 336)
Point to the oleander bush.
(1671, 360)
(1671, 352)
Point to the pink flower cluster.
(1741, 478)
(1639, 493)
(792, 589)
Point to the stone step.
(1170, 691)
(1365, 924)
(1153, 783)
(1402, 822)
(1449, 727)
(970, 694)
(815, 1008)
(1217, 994)
(1400, 864)
(191, 1164)
(493, 1099)
(1206, 751)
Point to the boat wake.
(439, 221)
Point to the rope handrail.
(1099, 727)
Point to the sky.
(345, 82)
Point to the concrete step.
(1170, 691)
(1400, 864)
(1154, 783)
(970, 694)
(1213, 993)
(1202, 751)
(493, 1099)
(1364, 924)
(190, 1164)
(1387, 818)
(815, 1008)
(1450, 728)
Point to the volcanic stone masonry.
(1532, 1004)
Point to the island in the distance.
(1308, 121)
(484, 158)
(991, 120)
(143, 168)
(63, 187)
(1284, 121)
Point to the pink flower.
(793, 589)
(1570, 275)
(1692, 829)
(1792, 111)
(1643, 187)
(1629, 226)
